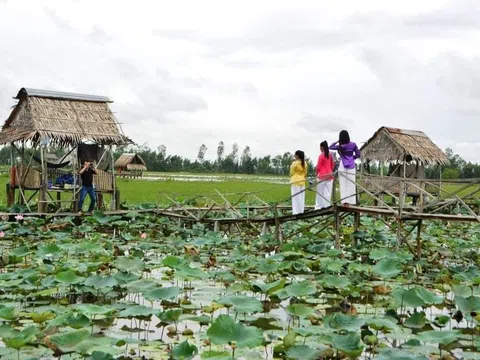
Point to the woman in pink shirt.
(325, 167)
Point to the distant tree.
(450, 173)
(246, 161)
(201, 153)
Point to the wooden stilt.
(337, 227)
(356, 227)
(419, 239)
(216, 227)
(400, 214)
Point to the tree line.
(234, 161)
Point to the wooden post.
(401, 202)
(337, 227)
(422, 195)
(75, 177)
(113, 200)
(419, 239)
(10, 186)
(43, 191)
(356, 226)
(216, 227)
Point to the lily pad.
(184, 351)
(243, 304)
(302, 352)
(163, 293)
(225, 330)
(349, 344)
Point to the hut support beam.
(419, 239)
(43, 190)
(113, 202)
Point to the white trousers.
(298, 199)
(346, 179)
(323, 198)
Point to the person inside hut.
(298, 177)
(86, 173)
(325, 168)
(348, 152)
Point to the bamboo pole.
(419, 239)
(113, 204)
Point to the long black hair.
(343, 138)
(326, 151)
(301, 155)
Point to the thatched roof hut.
(62, 118)
(395, 145)
(130, 162)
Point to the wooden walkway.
(379, 197)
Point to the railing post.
(401, 202)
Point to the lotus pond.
(145, 287)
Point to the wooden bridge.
(402, 204)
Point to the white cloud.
(274, 75)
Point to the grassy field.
(182, 187)
(135, 192)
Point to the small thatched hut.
(407, 152)
(130, 165)
(44, 118)
(390, 145)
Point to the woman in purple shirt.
(348, 152)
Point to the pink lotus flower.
(143, 235)
(19, 217)
(2, 234)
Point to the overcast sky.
(275, 75)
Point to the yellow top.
(298, 173)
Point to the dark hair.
(301, 156)
(343, 138)
(326, 151)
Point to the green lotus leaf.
(387, 268)
(225, 330)
(242, 304)
(184, 351)
(73, 319)
(101, 282)
(302, 352)
(126, 264)
(20, 251)
(300, 310)
(397, 354)
(440, 337)
(383, 324)
(416, 321)
(125, 277)
(68, 341)
(141, 286)
(339, 321)
(163, 293)
(170, 316)
(349, 344)
(8, 313)
(301, 289)
(92, 309)
(68, 277)
(135, 311)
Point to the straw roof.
(130, 162)
(393, 145)
(63, 118)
